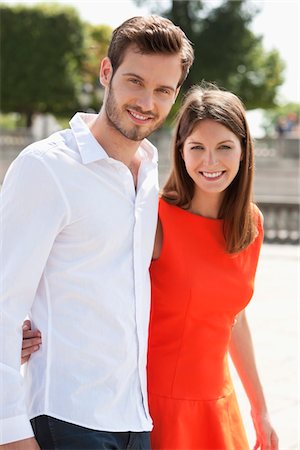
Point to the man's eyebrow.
(131, 74)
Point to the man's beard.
(134, 132)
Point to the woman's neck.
(206, 205)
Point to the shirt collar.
(89, 148)
(148, 151)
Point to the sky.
(277, 22)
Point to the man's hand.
(31, 341)
(24, 444)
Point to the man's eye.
(135, 81)
(164, 91)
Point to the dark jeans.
(55, 434)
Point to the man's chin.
(136, 133)
(136, 136)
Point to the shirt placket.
(140, 308)
(137, 199)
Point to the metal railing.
(281, 222)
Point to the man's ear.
(106, 72)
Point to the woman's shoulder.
(258, 224)
(166, 205)
(257, 215)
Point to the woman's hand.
(31, 341)
(266, 438)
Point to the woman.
(206, 251)
(207, 247)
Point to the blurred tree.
(97, 38)
(288, 113)
(226, 51)
(42, 54)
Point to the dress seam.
(193, 399)
(181, 341)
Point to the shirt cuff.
(15, 429)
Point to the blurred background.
(50, 54)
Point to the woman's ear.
(243, 148)
(181, 152)
(106, 72)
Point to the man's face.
(141, 92)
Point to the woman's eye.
(197, 147)
(225, 147)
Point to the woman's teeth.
(212, 174)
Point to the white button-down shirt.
(76, 244)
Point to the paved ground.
(273, 316)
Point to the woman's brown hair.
(209, 102)
(151, 34)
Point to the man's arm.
(32, 213)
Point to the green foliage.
(285, 109)
(97, 39)
(226, 50)
(42, 53)
(11, 121)
(229, 54)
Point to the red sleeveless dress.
(197, 290)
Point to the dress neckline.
(191, 214)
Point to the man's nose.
(145, 101)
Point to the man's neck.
(116, 146)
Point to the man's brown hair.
(151, 34)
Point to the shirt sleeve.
(33, 210)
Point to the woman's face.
(212, 155)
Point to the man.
(79, 213)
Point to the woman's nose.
(211, 157)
